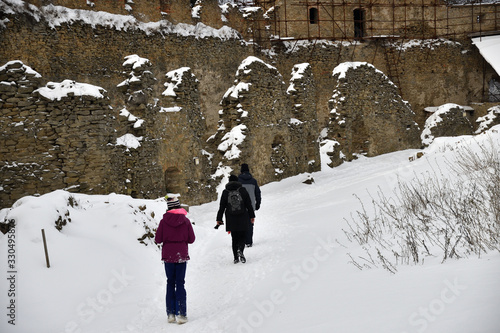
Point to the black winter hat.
(244, 168)
(233, 178)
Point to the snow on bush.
(452, 213)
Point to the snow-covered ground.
(297, 277)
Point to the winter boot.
(171, 318)
(242, 257)
(181, 320)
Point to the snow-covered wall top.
(56, 90)
(58, 15)
(245, 64)
(342, 68)
(26, 69)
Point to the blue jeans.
(176, 293)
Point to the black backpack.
(235, 205)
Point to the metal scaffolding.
(359, 19)
(386, 22)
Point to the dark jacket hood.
(231, 186)
(245, 176)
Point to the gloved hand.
(257, 206)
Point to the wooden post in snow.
(45, 248)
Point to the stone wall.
(176, 11)
(448, 120)
(137, 144)
(304, 124)
(282, 124)
(331, 19)
(95, 54)
(430, 72)
(256, 126)
(368, 116)
(52, 139)
(210, 13)
(66, 135)
(185, 161)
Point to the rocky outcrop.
(368, 116)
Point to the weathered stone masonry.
(367, 114)
(72, 142)
(47, 144)
(274, 143)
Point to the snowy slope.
(297, 277)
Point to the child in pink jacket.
(175, 232)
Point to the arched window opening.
(359, 23)
(313, 15)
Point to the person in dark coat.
(237, 225)
(250, 184)
(175, 232)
